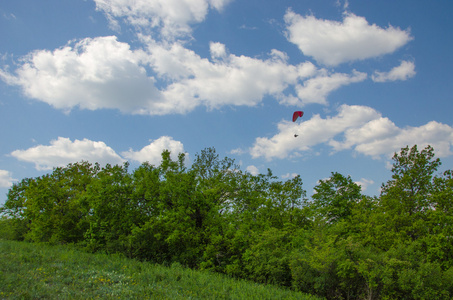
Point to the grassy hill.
(36, 271)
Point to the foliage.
(340, 244)
(335, 197)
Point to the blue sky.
(120, 80)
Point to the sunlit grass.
(34, 271)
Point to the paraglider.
(297, 114)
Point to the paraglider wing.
(297, 114)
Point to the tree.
(410, 226)
(412, 178)
(405, 200)
(14, 209)
(51, 205)
(335, 198)
(112, 210)
(440, 221)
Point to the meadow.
(40, 271)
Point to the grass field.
(34, 271)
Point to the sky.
(111, 81)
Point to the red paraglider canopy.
(297, 114)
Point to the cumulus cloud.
(63, 151)
(404, 71)
(173, 18)
(377, 129)
(332, 42)
(359, 128)
(316, 89)
(167, 78)
(438, 135)
(253, 170)
(91, 74)
(103, 73)
(6, 180)
(289, 175)
(226, 79)
(218, 50)
(364, 183)
(152, 153)
(311, 132)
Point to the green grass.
(35, 271)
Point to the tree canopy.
(340, 244)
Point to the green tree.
(409, 228)
(185, 208)
(112, 210)
(14, 208)
(440, 221)
(335, 198)
(51, 205)
(267, 259)
(405, 200)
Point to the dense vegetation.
(213, 216)
(38, 271)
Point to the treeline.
(340, 244)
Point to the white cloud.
(316, 89)
(402, 72)
(332, 43)
(345, 5)
(365, 183)
(6, 180)
(153, 152)
(438, 135)
(172, 17)
(377, 129)
(252, 170)
(218, 50)
(93, 74)
(102, 73)
(8, 16)
(63, 151)
(226, 80)
(289, 175)
(237, 151)
(360, 128)
(311, 132)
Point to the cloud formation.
(332, 43)
(253, 170)
(6, 180)
(91, 74)
(389, 138)
(103, 73)
(316, 89)
(311, 132)
(153, 152)
(364, 183)
(226, 79)
(360, 128)
(165, 77)
(404, 71)
(63, 151)
(172, 18)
